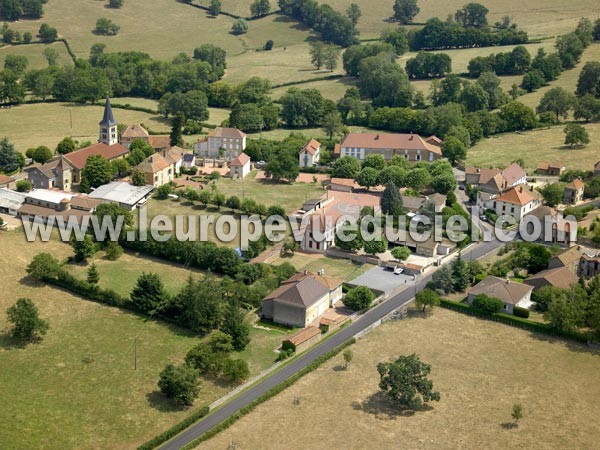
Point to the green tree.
(235, 370)
(332, 57)
(67, 145)
(391, 201)
(200, 304)
(576, 134)
(486, 304)
(113, 251)
(41, 154)
(97, 171)
(345, 167)
(405, 381)
(116, 3)
(93, 276)
(375, 246)
(359, 298)
(557, 101)
(26, 321)
(517, 413)
(23, 186)
(565, 314)
(397, 38)
(9, 157)
(317, 54)
(518, 116)
(84, 248)
(460, 274)
(16, 63)
(405, 11)
(51, 55)
(149, 294)
(401, 253)
(427, 298)
(179, 383)
(587, 108)
(177, 123)
(214, 8)
(260, 8)
(472, 15)
(552, 193)
(348, 357)
(106, 27)
(47, 33)
(43, 267)
(332, 124)
(233, 202)
(354, 13)
(240, 26)
(367, 177)
(474, 97)
(236, 325)
(454, 149)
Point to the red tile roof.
(311, 147)
(153, 164)
(232, 133)
(109, 152)
(575, 185)
(5, 179)
(240, 161)
(389, 141)
(518, 195)
(159, 141)
(135, 131)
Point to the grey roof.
(108, 120)
(189, 157)
(53, 167)
(121, 192)
(303, 293)
(508, 291)
(10, 199)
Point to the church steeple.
(108, 126)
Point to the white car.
(398, 270)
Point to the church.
(63, 171)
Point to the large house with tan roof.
(310, 154)
(156, 169)
(302, 299)
(412, 147)
(515, 202)
(137, 131)
(221, 142)
(509, 292)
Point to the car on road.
(398, 270)
(483, 217)
(461, 187)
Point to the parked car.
(398, 270)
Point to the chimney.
(377, 137)
(521, 189)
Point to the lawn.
(331, 89)
(51, 122)
(78, 387)
(343, 269)
(480, 368)
(536, 146)
(35, 56)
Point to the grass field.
(334, 267)
(536, 146)
(331, 89)
(35, 56)
(52, 399)
(480, 368)
(47, 123)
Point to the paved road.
(304, 360)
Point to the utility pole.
(71, 118)
(135, 354)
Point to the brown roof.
(568, 256)
(575, 185)
(135, 131)
(337, 148)
(51, 168)
(78, 158)
(513, 173)
(34, 210)
(240, 161)
(303, 335)
(5, 179)
(232, 133)
(560, 277)
(485, 175)
(159, 141)
(434, 140)
(389, 141)
(173, 154)
(330, 282)
(85, 202)
(153, 164)
(304, 289)
(505, 290)
(311, 147)
(546, 166)
(518, 195)
(349, 182)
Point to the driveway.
(383, 280)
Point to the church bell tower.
(108, 126)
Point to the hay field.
(35, 56)
(480, 368)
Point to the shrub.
(269, 45)
(23, 186)
(521, 312)
(359, 298)
(486, 304)
(240, 26)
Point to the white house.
(221, 142)
(188, 161)
(515, 202)
(240, 166)
(509, 292)
(310, 154)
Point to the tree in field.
(454, 149)
(405, 382)
(97, 171)
(260, 8)
(177, 123)
(26, 321)
(332, 57)
(235, 371)
(10, 159)
(472, 15)
(317, 54)
(67, 145)
(240, 26)
(348, 357)
(43, 266)
(354, 13)
(92, 274)
(83, 249)
(47, 33)
(552, 193)
(391, 201)
(587, 107)
(51, 55)
(214, 8)
(106, 27)
(332, 124)
(116, 3)
(460, 274)
(576, 134)
(179, 383)
(518, 116)
(427, 298)
(359, 298)
(517, 413)
(405, 11)
(565, 314)
(557, 101)
(401, 253)
(149, 294)
(16, 63)
(200, 305)
(236, 325)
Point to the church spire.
(108, 120)
(108, 126)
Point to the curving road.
(370, 317)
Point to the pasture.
(480, 368)
(35, 56)
(78, 388)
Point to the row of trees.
(13, 10)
